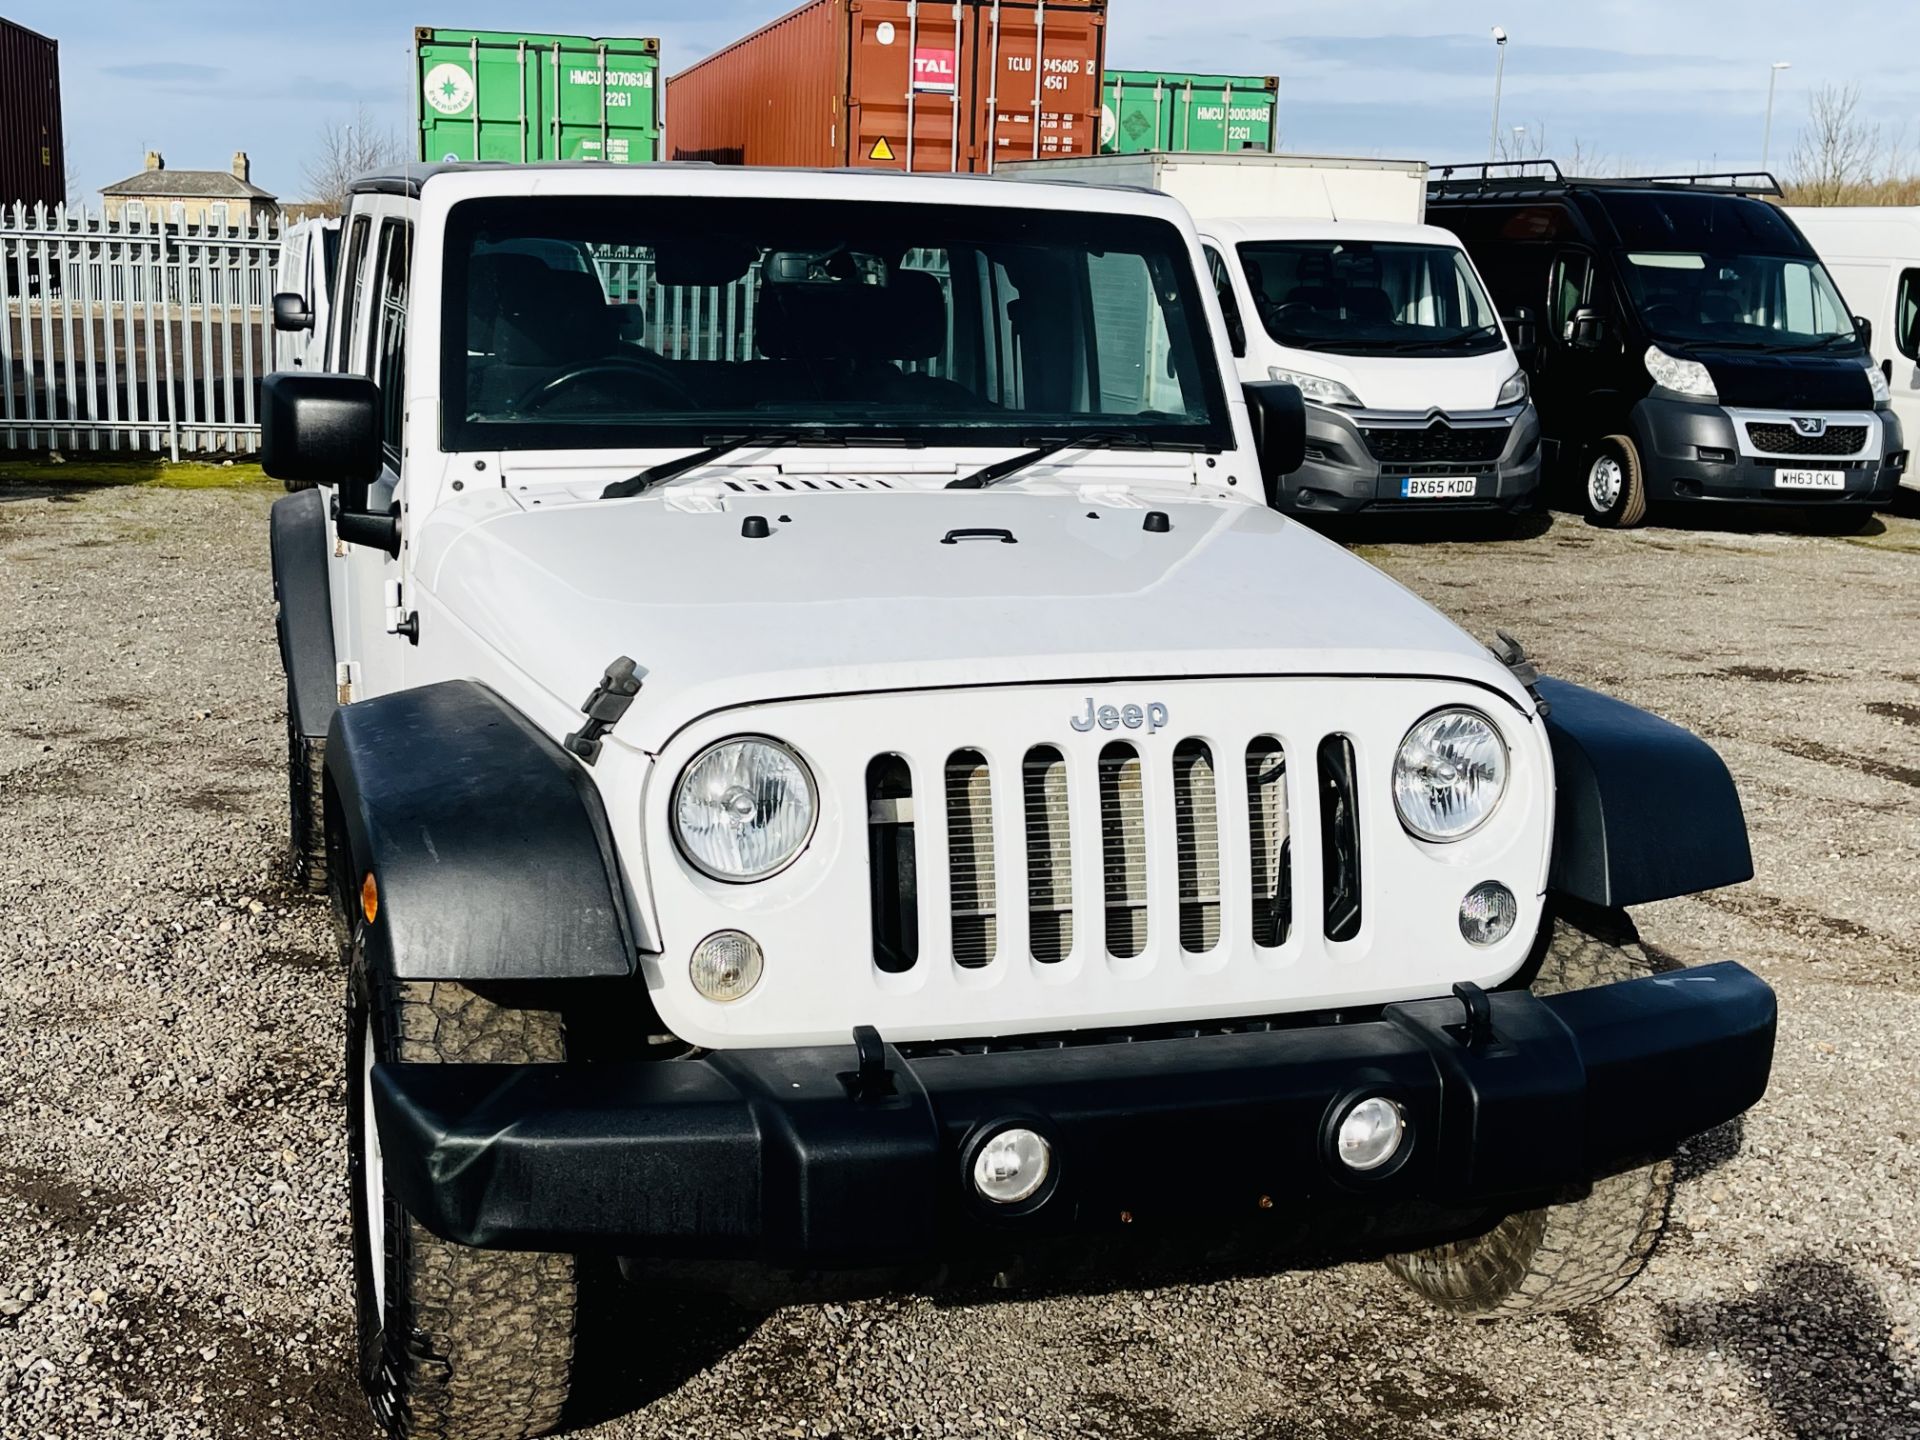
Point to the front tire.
(1559, 1257)
(306, 809)
(1614, 487)
(454, 1343)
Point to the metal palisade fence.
(146, 337)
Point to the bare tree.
(1583, 157)
(1838, 151)
(1524, 142)
(347, 151)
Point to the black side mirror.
(1523, 333)
(326, 430)
(1585, 328)
(1863, 327)
(1279, 419)
(290, 312)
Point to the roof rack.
(1479, 178)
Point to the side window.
(1229, 307)
(389, 338)
(1906, 315)
(1568, 290)
(346, 309)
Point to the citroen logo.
(1811, 426)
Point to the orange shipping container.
(898, 85)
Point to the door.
(380, 354)
(1037, 81)
(1905, 360)
(1568, 373)
(1231, 310)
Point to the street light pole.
(1499, 74)
(1766, 142)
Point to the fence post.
(166, 338)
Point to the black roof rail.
(1479, 178)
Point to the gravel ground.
(172, 1223)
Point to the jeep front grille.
(1123, 849)
(1777, 439)
(971, 892)
(1049, 854)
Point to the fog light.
(1012, 1165)
(1488, 913)
(1370, 1134)
(726, 965)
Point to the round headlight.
(1449, 774)
(744, 809)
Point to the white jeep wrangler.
(989, 828)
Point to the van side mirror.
(1586, 329)
(1523, 333)
(1863, 327)
(290, 312)
(326, 430)
(1279, 419)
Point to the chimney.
(240, 166)
(154, 162)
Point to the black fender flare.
(488, 844)
(1644, 809)
(297, 537)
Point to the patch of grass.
(132, 470)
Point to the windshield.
(1774, 302)
(1362, 297)
(604, 322)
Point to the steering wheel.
(544, 394)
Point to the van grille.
(1785, 440)
(1437, 444)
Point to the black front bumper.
(773, 1156)
(1341, 475)
(1676, 437)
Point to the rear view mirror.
(326, 430)
(1585, 328)
(1279, 418)
(290, 312)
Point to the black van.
(1684, 340)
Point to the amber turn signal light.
(369, 898)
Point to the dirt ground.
(173, 1253)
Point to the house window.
(135, 213)
(177, 213)
(217, 216)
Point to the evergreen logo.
(448, 88)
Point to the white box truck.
(1873, 253)
(1329, 280)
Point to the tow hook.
(870, 1079)
(1476, 1031)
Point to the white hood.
(860, 592)
(1406, 384)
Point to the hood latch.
(604, 707)
(1512, 654)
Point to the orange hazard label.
(881, 150)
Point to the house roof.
(186, 185)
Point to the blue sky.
(1669, 85)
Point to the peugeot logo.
(1811, 426)
(1111, 717)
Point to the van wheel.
(306, 809)
(1559, 1257)
(454, 1343)
(1615, 492)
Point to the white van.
(1874, 254)
(1329, 281)
(309, 251)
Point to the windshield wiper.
(1104, 439)
(716, 449)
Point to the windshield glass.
(606, 322)
(1365, 297)
(1768, 301)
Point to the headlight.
(1683, 377)
(1317, 388)
(744, 808)
(1449, 774)
(1877, 380)
(1514, 391)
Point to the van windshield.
(1364, 297)
(1772, 302)
(600, 322)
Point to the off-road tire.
(1629, 508)
(306, 809)
(473, 1344)
(1560, 1257)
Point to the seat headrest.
(905, 319)
(525, 313)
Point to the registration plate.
(1810, 479)
(1439, 487)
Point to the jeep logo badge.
(1153, 715)
(1811, 426)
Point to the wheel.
(1615, 493)
(306, 809)
(1559, 1257)
(454, 1343)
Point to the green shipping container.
(1165, 110)
(488, 95)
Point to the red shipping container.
(898, 85)
(33, 162)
